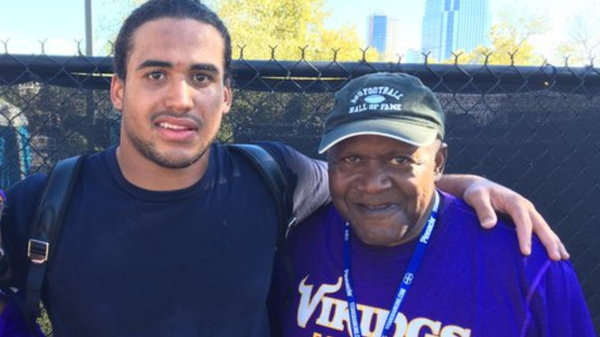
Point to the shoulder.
(285, 154)
(324, 214)
(457, 209)
(306, 177)
(280, 152)
(26, 189)
(317, 222)
(295, 161)
(298, 168)
(501, 239)
(23, 197)
(21, 204)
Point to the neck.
(144, 173)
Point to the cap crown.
(387, 104)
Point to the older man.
(393, 256)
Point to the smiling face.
(174, 96)
(383, 187)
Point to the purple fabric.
(12, 323)
(472, 282)
(2, 201)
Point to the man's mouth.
(377, 208)
(174, 127)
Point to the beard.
(148, 150)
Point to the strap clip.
(37, 251)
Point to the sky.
(409, 14)
(60, 23)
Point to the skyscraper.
(452, 25)
(383, 34)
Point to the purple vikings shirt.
(471, 282)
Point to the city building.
(454, 25)
(383, 35)
(413, 56)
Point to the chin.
(178, 162)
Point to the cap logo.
(373, 98)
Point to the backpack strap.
(271, 172)
(45, 229)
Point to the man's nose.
(375, 178)
(179, 97)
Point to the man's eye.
(201, 78)
(352, 160)
(156, 75)
(401, 161)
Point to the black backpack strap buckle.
(37, 251)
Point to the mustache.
(195, 118)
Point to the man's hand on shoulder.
(487, 198)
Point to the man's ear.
(440, 160)
(117, 91)
(227, 97)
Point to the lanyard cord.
(409, 275)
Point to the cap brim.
(413, 134)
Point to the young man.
(393, 256)
(168, 233)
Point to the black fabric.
(45, 229)
(272, 172)
(132, 262)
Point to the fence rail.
(534, 129)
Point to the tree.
(288, 26)
(510, 41)
(107, 23)
(583, 43)
(297, 30)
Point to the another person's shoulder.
(501, 239)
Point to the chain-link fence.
(534, 129)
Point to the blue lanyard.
(409, 275)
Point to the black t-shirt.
(192, 262)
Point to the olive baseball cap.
(393, 105)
